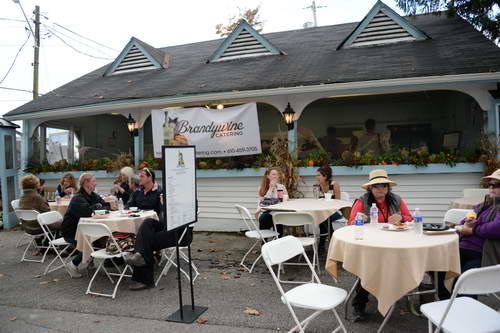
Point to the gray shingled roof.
(312, 58)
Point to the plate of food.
(401, 226)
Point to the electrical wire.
(77, 50)
(15, 58)
(53, 31)
(17, 89)
(11, 19)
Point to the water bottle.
(374, 215)
(120, 205)
(358, 227)
(58, 199)
(418, 221)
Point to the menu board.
(179, 182)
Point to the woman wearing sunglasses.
(391, 209)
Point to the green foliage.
(484, 15)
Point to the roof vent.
(244, 42)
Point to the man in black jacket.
(82, 204)
(147, 197)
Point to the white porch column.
(26, 144)
(137, 144)
(292, 140)
(43, 143)
(141, 143)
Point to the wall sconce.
(289, 115)
(132, 125)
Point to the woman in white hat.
(477, 227)
(391, 208)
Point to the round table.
(320, 209)
(392, 263)
(116, 222)
(466, 202)
(63, 204)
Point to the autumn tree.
(252, 16)
(484, 15)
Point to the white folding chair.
(31, 215)
(455, 215)
(45, 220)
(94, 231)
(312, 296)
(475, 192)
(465, 314)
(170, 255)
(253, 232)
(293, 219)
(15, 206)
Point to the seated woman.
(67, 186)
(268, 194)
(476, 229)
(147, 197)
(121, 186)
(152, 236)
(327, 185)
(82, 204)
(31, 200)
(392, 209)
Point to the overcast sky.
(113, 22)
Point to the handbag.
(124, 240)
(269, 201)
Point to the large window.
(427, 121)
(61, 144)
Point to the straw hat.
(378, 176)
(494, 175)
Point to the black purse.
(269, 201)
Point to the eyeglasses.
(380, 185)
(494, 185)
(146, 170)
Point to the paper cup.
(328, 196)
(285, 197)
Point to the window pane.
(11, 191)
(9, 152)
(57, 141)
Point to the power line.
(11, 19)
(77, 50)
(52, 31)
(17, 89)
(15, 58)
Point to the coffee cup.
(328, 196)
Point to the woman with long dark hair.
(326, 185)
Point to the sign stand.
(187, 313)
(179, 180)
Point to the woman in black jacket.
(82, 204)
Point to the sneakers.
(73, 270)
(135, 259)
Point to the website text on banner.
(232, 131)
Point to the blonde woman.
(270, 192)
(82, 204)
(121, 186)
(67, 185)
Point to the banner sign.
(232, 131)
(179, 183)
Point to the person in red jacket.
(391, 209)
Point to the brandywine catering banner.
(232, 131)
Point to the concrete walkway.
(56, 303)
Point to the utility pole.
(314, 8)
(37, 51)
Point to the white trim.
(107, 107)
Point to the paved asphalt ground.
(56, 303)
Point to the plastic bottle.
(358, 227)
(374, 215)
(120, 205)
(418, 221)
(58, 199)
